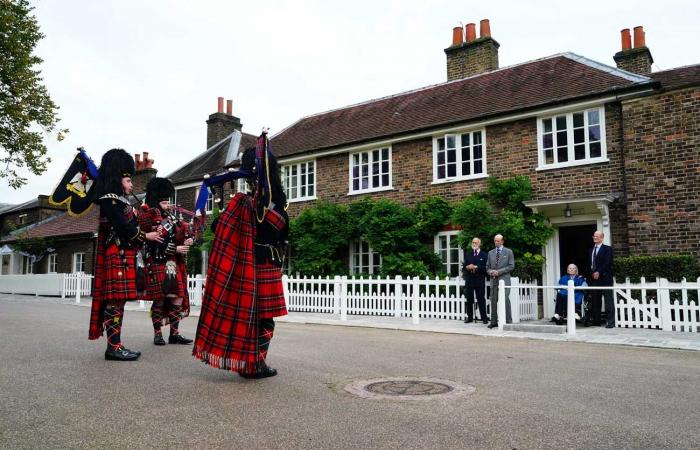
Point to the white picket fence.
(662, 304)
(59, 284)
(436, 298)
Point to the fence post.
(515, 300)
(336, 294)
(501, 306)
(415, 299)
(664, 296)
(570, 309)
(63, 285)
(398, 293)
(343, 298)
(77, 287)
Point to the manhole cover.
(408, 388)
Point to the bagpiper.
(165, 262)
(243, 291)
(119, 240)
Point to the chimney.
(220, 124)
(472, 56)
(144, 172)
(635, 59)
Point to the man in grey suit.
(499, 265)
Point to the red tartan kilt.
(118, 280)
(155, 279)
(269, 291)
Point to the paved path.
(57, 391)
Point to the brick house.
(72, 240)
(610, 148)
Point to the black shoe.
(485, 321)
(178, 339)
(121, 354)
(158, 339)
(135, 352)
(492, 325)
(560, 321)
(609, 325)
(261, 373)
(468, 320)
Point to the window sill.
(369, 191)
(585, 162)
(452, 180)
(301, 199)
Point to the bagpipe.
(259, 175)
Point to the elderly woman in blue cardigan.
(560, 306)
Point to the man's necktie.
(498, 256)
(595, 253)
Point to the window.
(370, 171)
(240, 186)
(21, 219)
(51, 263)
(363, 259)
(27, 265)
(572, 139)
(299, 181)
(6, 260)
(450, 254)
(459, 156)
(79, 262)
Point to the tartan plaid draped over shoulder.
(227, 333)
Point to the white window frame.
(286, 171)
(27, 266)
(74, 264)
(451, 238)
(51, 263)
(22, 219)
(458, 153)
(572, 162)
(9, 264)
(209, 207)
(370, 176)
(371, 268)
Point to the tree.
(26, 109)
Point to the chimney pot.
(471, 32)
(137, 158)
(145, 156)
(220, 105)
(457, 36)
(229, 107)
(626, 39)
(484, 28)
(639, 37)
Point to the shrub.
(671, 267)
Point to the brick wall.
(511, 150)
(64, 255)
(662, 168)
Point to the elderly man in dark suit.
(600, 274)
(499, 265)
(474, 271)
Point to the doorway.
(574, 242)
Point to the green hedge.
(671, 267)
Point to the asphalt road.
(57, 391)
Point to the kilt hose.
(114, 281)
(229, 329)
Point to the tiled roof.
(33, 203)
(551, 80)
(212, 161)
(681, 76)
(63, 225)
